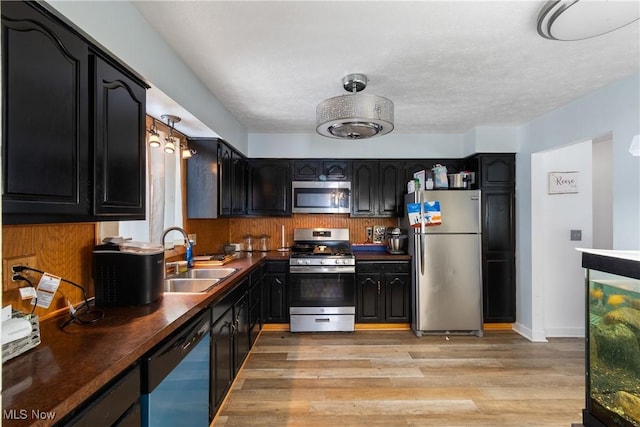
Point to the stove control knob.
(308, 262)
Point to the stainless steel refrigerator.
(446, 294)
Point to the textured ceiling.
(447, 66)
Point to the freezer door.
(447, 287)
(460, 210)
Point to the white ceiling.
(447, 66)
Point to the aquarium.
(612, 280)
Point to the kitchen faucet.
(186, 238)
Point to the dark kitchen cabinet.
(382, 291)
(119, 148)
(376, 188)
(232, 168)
(45, 115)
(73, 125)
(497, 170)
(497, 173)
(115, 405)
(242, 342)
(269, 187)
(314, 169)
(230, 340)
(202, 179)
(222, 372)
(274, 292)
(255, 303)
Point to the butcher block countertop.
(71, 365)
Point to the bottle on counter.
(189, 254)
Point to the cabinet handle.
(378, 286)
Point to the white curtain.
(164, 196)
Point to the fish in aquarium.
(616, 299)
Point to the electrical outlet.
(7, 273)
(192, 237)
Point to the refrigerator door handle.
(421, 241)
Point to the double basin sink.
(197, 280)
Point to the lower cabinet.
(255, 303)
(274, 292)
(382, 291)
(230, 341)
(115, 405)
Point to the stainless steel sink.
(181, 284)
(197, 280)
(207, 273)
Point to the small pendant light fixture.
(154, 135)
(169, 146)
(186, 151)
(354, 116)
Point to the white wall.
(557, 277)
(390, 146)
(603, 194)
(615, 110)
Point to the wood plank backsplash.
(64, 250)
(272, 226)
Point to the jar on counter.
(264, 243)
(248, 243)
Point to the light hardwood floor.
(393, 378)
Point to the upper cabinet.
(321, 170)
(202, 179)
(73, 125)
(377, 188)
(232, 169)
(269, 187)
(119, 152)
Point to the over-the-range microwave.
(321, 197)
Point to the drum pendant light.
(356, 115)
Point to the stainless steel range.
(322, 281)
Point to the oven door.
(325, 287)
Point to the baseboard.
(284, 327)
(383, 327)
(529, 334)
(497, 326)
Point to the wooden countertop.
(71, 365)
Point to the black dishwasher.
(175, 378)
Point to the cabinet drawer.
(277, 267)
(109, 405)
(382, 267)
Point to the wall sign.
(563, 182)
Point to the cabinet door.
(390, 181)
(274, 298)
(255, 305)
(396, 290)
(497, 170)
(306, 170)
(269, 187)
(119, 144)
(225, 169)
(364, 199)
(202, 179)
(45, 116)
(498, 249)
(221, 358)
(336, 170)
(241, 338)
(239, 185)
(368, 294)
